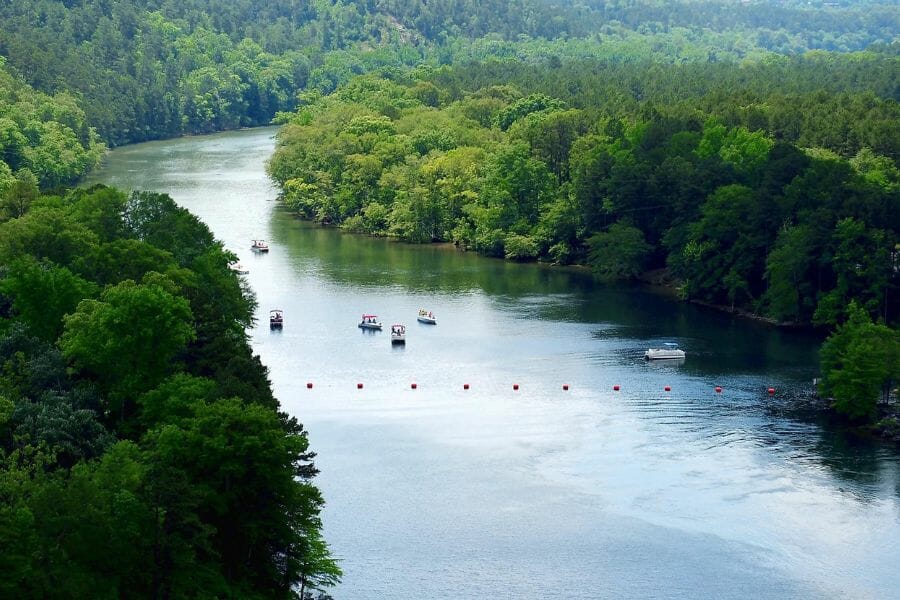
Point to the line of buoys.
(565, 387)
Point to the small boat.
(238, 268)
(398, 334)
(426, 317)
(276, 319)
(259, 246)
(669, 350)
(370, 322)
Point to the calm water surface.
(541, 493)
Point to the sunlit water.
(491, 492)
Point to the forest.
(142, 453)
(718, 190)
(153, 69)
(745, 153)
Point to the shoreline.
(657, 281)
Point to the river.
(537, 492)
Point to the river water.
(490, 492)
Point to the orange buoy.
(668, 388)
(359, 386)
(615, 388)
(566, 386)
(309, 385)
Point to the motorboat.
(370, 322)
(669, 350)
(238, 268)
(259, 246)
(398, 334)
(426, 317)
(276, 319)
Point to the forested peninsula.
(747, 152)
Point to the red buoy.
(668, 388)
(718, 390)
(515, 386)
(465, 386)
(771, 391)
(359, 386)
(413, 386)
(309, 385)
(566, 386)
(615, 388)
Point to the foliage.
(167, 68)
(618, 253)
(860, 363)
(141, 450)
(740, 218)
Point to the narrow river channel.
(442, 492)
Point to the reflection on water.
(446, 492)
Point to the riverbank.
(663, 280)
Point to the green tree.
(127, 340)
(860, 360)
(17, 198)
(618, 253)
(43, 294)
(245, 467)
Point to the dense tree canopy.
(158, 68)
(141, 450)
(740, 217)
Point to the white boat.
(426, 317)
(398, 334)
(238, 268)
(259, 246)
(370, 322)
(276, 319)
(669, 350)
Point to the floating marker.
(413, 386)
(359, 386)
(771, 391)
(566, 386)
(465, 386)
(668, 388)
(718, 390)
(615, 388)
(515, 386)
(309, 385)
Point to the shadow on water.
(865, 466)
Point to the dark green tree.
(860, 362)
